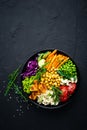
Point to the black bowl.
(61, 104)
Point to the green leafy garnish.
(40, 72)
(46, 54)
(11, 84)
(43, 55)
(56, 94)
(40, 56)
(11, 79)
(19, 92)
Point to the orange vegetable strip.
(63, 61)
(52, 54)
(50, 58)
(55, 65)
(53, 60)
(57, 60)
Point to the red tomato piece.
(64, 96)
(71, 88)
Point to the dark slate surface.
(28, 26)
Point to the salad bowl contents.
(49, 78)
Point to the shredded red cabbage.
(31, 68)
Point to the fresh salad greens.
(27, 82)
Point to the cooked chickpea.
(46, 81)
(51, 78)
(55, 72)
(43, 75)
(55, 83)
(42, 79)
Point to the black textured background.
(28, 26)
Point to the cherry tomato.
(64, 96)
(71, 88)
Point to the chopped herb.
(40, 72)
(56, 94)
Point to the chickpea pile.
(51, 78)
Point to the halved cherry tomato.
(64, 96)
(71, 88)
(67, 91)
